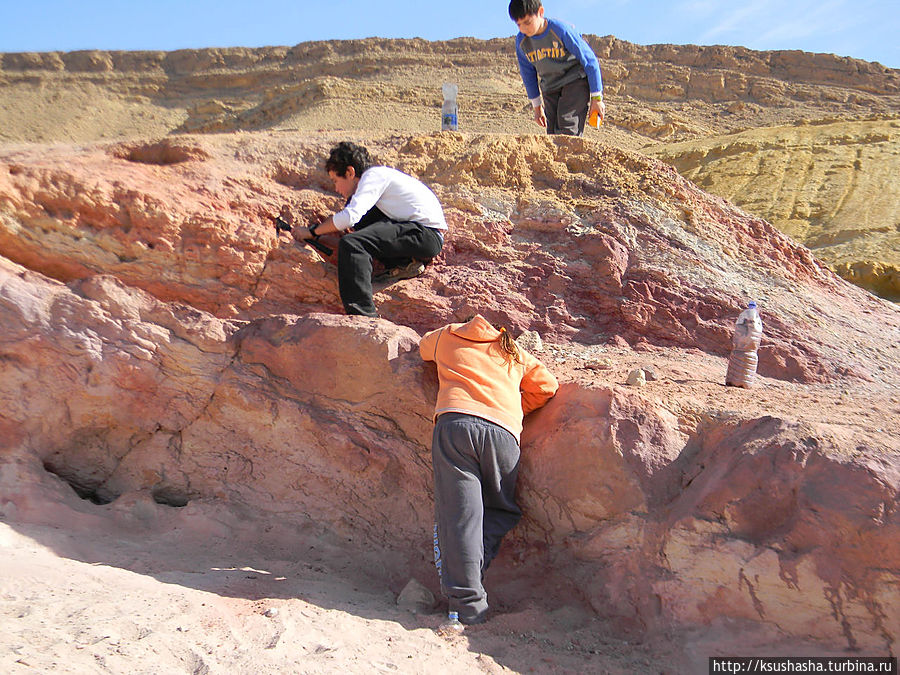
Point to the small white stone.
(530, 341)
(415, 597)
(636, 378)
(599, 363)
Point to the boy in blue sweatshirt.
(560, 71)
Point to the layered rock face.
(824, 182)
(546, 229)
(157, 337)
(831, 186)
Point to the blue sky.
(865, 29)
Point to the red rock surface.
(157, 337)
(571, 238)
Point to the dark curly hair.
(519, 9)
(346, 154)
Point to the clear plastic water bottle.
(449, 111)
(452, 626)
(744, 345)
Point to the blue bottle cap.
(752, 304)
(453, 615)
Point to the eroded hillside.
(656, 94)
(196, 357)
(831, 185)
(169, 358)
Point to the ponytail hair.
(509, 347)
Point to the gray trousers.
(475, 465)
(566, 108)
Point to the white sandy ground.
(136, 587)
(158, 611)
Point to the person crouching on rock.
(487, 384)
(389, 216)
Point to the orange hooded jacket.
(476, 379)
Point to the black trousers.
(393, 244)
(566, 108)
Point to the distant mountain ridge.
(725, 88)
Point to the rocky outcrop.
(661, 515)
(656, 92)
(738, 519)
(573, 239)
(117, 392)
(699, 101)
(159, 341)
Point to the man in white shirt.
(389, 216)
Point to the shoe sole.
(400, 276)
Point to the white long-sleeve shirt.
(399, 196)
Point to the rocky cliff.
(160, 340)
(677, 102)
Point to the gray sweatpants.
(566, 109)
(475, 465)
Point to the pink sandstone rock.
(578, 240)
(157, 338)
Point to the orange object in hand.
(594, 119)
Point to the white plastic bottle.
(744, 345)
(452, 626)
(449, 111)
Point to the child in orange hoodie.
(487, 385)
